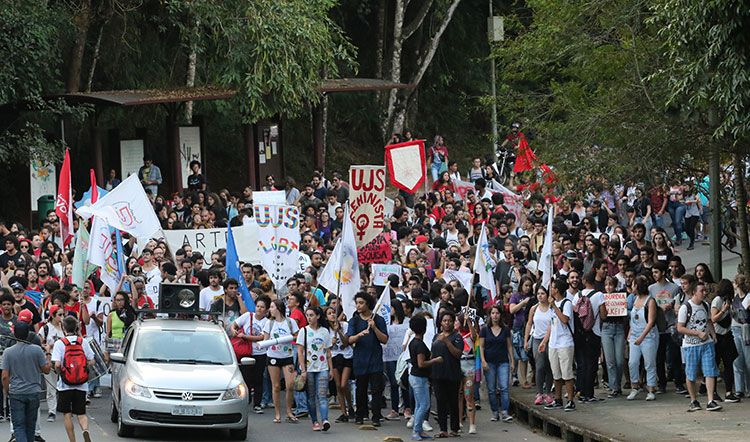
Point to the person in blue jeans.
(496, 350)
(21, 366)
(314, 344)
(420, 374)
(643, 339)
(613, 344)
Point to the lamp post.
(495, 33)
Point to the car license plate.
(185, 410)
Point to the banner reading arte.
(366, 197)
(377, 250)
(208, 241)
(278, 241)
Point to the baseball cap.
(15, 285)
(570, 254)
(53, 309)
(25, 315)
(420, 239)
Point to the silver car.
(178, 373)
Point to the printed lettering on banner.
(380, 273)
(377, 250)
(366, 197)
(207, 241)
(616, 303)
(278, 241)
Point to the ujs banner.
(278, 241)
(366, 198)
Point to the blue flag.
(234, 271)
(120, 256)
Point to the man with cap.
(566, 259)
(424, 248)
(27, 316)
(21, 366)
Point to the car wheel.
(239, 433)
(124, 430)
(113, 413)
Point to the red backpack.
(584, 313)
(73, 367)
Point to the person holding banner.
(613, 342)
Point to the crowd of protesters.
(442, 338)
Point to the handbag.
(242, 347)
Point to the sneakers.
(301, 414)
(650, 396)
(51, 417)
(661, 390)
(713, 406)
(316, 426)
(570, 406)
(539, 399)
(409, 423)
(495, 418)
(731, 398)
(548, 399)
(593, 400)
(507, 418)
(97, 392)
(633, 394)
(680, 389)
(343, 418)
(426, 426)
(393, 416)
(694, 406)
(86, 436)
(376, 422)
(39, 438)
(407, 413)
(473, 429)
(554, 405)
(614, 394)
(258, 409)
(326, 425)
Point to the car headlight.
(134, 389)
(237, 392)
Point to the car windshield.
(182, 347)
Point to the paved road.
(262, 429)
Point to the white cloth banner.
(464, 278)
(366, 197)
(483, 264)
(383, 307)
(545, 261)
(341, 275)
(380, 273)
(103, 253)
(278, 241)
(207, 241)
(126, 208)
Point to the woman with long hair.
(467, 327)
(496, 351)
(250, 326)
(446, 377)
(437, 156)
(740, 319)
(314, 348)
(391, 351)
(643, 338)
(520, 305)
(613, 342)
(662, 251)
(726, 351)
(342, 356)
(540, 320)
(280, 361)
(593, 253)
(703, 274)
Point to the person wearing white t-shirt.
(559, 338)
(279, 356)
(213, 291)
(251, 324)
(314, 348)
(342, 355)
(50, 333)
(95, 327)
(72, 398)
(590, 342)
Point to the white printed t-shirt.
(561, 336)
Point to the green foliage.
(707, 45)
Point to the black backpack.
(661, 321)
(690, 311)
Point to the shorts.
(703, 357)
(280, 362)
(519, 353)
(468, 367)
(71, 401)
(339, 362)
(561, 362)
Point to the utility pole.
(495, 33)
(714, 199)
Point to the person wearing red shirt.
(140, 298)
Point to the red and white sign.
(406, 164)
(616, 303)
(511, 200)
(366, 198)
(64, 202)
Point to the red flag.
(64, 203)
(525, 157)
(94, 189)
(406, 164)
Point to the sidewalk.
(664, 419)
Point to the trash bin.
(45, 203)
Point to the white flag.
(483, 264)
(384, 305)
(545, 261)
(126, 208)
(103, 253)
(341, 274)
(464, 278)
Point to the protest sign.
(278, 241)
(377, 250)
(464, 278)
(366, 197)
(616, 303)
(512, 201)
(207, 241)
(380, 273)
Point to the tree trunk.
(398, 24)
(380, 47)
(95, 58)
(190, 77)
(82, 20)
(739, 186)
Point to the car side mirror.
(117, 357)
(247, 361)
